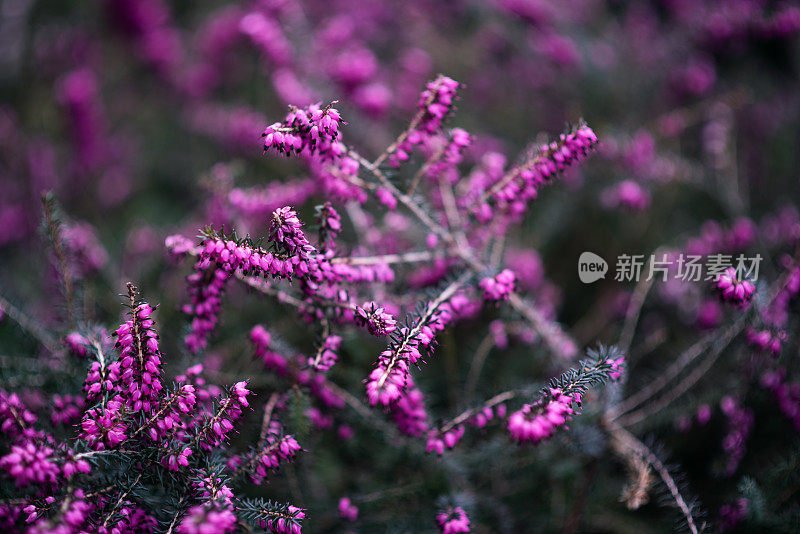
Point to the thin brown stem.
(429, 310)
(628, 442)
(476, 366)
(466, 414)
(391, 149)
(119, 501)
(56, 238)
(268, 409)
(633, 312)
(415, 181)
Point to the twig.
(629, 442)
(54, 232)
(411, 127)
(119, 501)
(268, 409)
(478, 359)
(494, 401)
(633, 312)
(682, 386)
(430, 309)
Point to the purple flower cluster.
(105, 427)
(767, 339)
(272, 360)
(733, 289)
(448, 153)
(511, 191)
(438, 442)
(389, 378)
(216, 428)
(140, 360)
(219, 259)
(409, 413)
(347, 510)
(498, 287)
(326, 354)
(205, 519)
(537, 422)
(288, 523)
(739, 424)
(67, 408)
(312, 129)
(15, 418)
(31, 463)
(453, 520)
(374, 317)
(435, 103)
(278, 447)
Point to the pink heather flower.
(766, 340)
(438, 442)
(286, 231)
(522, 183)
(213, 489)
(104, 428)
(179, 245)
(67, 408)
(734, 290)
(140, 360)
(176, 460)
(271, 359)
(77, 343)
(385, 386)
(312, 129)
(703, 414)
(739, 424)
(451, 156)
(616, 366)
(204, 519)
(72, 466)
(386, 198)
(278, 448)
(15, 419)
(283, 525)
(216, 429)
(435, 103)
(330, 225)
(390, 376)
(409, 412)
(499, 287)
(374, 317)
(347, 510)
(626, 194)
(482, 417)
(327, 354)
(31, 464)
(99, 379)
(453, 520)
(537, 422)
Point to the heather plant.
(262, 269)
